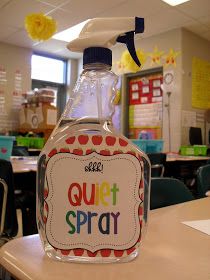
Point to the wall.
(16, 62)
(164, 41)
(192, 46)
(12, 59)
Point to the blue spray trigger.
(128, 39)
(139, 25)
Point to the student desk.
(184, 168)
(171, 250)
(24, 164)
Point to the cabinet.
(38, 118)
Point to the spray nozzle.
(104, 33)
(128, 39)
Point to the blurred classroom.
(163, 106)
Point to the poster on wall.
(18, 81)
(17, 93)
(3, 75)
(200, 84)
(145, 93)
(145, 106)
(188, 119)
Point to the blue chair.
(20, 151)
(168, 191)
(203, 180)
(157, 161)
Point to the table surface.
(177, 157)
(24, 164)
(170, 250)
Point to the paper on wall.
(34, 121)
(199, 117)
(200, 83)
(22, 117)
(29, 116)
(39, 113)
(188, 119)
(201, 225)
(51, 117)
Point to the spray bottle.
(93, 183)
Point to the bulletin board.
(200, 84)
(145, 103)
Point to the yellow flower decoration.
(40, 27)
(127, 63)
(156, 56)
(170, 58)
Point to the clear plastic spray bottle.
(92, 182)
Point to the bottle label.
(93, 201)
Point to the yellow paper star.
(128, 63)
(170, 58)
(156, 56)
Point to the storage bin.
(142, 145)
(196, 150)
(30, 142)
(6, 144)
(149, 146)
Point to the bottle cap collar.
(97, 55)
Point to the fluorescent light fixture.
(70, 33)
(175, 2)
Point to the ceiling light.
(175, 2)
(70, 33)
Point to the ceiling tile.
(4, 3)
(6, 31)
(136, 8)
(90, 8)
(195, 8)
(165, 20)
(56, 47)
(196, 27)
(19, 38)
(47, 45)
(64, 20)
(14, 13)
(205, 21)
(55, 3)
(206, 35)
(66, 53)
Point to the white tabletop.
(177, 157)
(24, 164)
(170, 251)
(27, 164)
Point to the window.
(48, 72)
(47, 69)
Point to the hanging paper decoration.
(40, 27)
(170, 58)
(156, 56)
(127, 64)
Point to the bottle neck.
(93, 95)
(97, 66)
